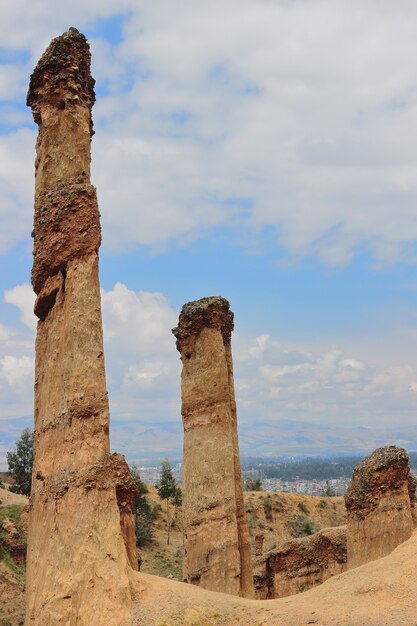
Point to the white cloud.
(319, 394)
(17, 371)
(302, 109)
(321, 386)
(143, 366)
(137, 321)
(145, 375)
(17, 155)
(28, 25)
(24, 298)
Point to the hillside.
(276, 516)
(283, 516)
(7, 498)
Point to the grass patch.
(13, 513)
(18, 571)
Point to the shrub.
(267, 504)
(252, 484)
(302, 526)
(303, 507)
(279, 507)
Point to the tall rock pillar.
(217, 543)
(378, 503)
(77, 571)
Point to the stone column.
(379, 511)
(78, 570)
(217, 547)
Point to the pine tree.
(167, 490)
(21, 463)
(142, 511)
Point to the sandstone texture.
(78, 570)
(300, 564)
(126, 492)
(379, 510)
(217, 542)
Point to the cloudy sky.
(263, 150)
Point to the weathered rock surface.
(300, 564)
(379, 511)
(412, 487)
(126, 492)
(217, 542)
(78, 570)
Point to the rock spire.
(379, 509)
(217, 544)
(78, 570)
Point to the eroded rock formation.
(379, 510)
(78, 570)
(259, 543)
(300, 564)
(126, 492)
(217, 545)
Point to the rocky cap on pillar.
(67, 220)
(379, 504)
(386, 469)
(62, 76)
(211, 312)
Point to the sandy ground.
(380, 593)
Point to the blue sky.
(261, 150)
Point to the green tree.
(302, 525)
(142, 511)
(177, 498)
(21, 463)
(176, 501)
(252, 483)
(167, 489)
(329, 492)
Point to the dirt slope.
(12, 599)
(380, 593)
(8, 498)
(283, 516)
(277, 516)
